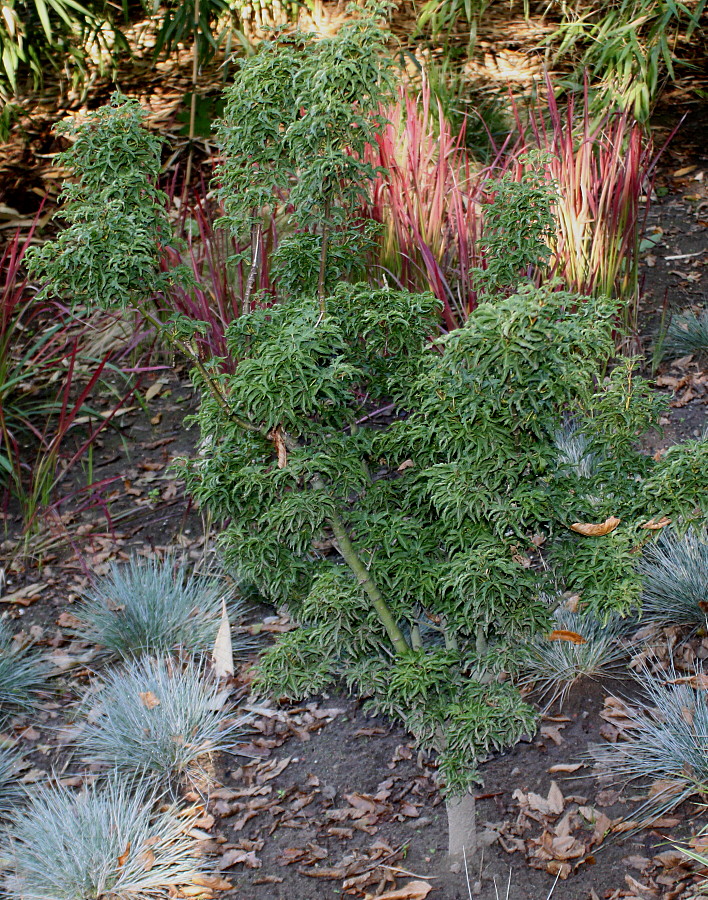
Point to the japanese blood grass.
(674, 570)
(668, 743)
(23, 674)
(430, 196)
(158, 720)
(554, 666)
(152, 606)
(106, 843)
(10, 791)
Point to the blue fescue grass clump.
(674, 571)
(153, 606)
(106, 842)
(160, 720)
(687, 333)
(10, 790)
(554, 666)
(669, 738)
(23, 674)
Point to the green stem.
(352, 559)
(256, 242)
(323, 262)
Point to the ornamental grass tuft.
(669, 731)
(688, 333)
(675, 579)
(106, 843)
(10, 790)
(153, 606)
(158, 720)
(23, 674)
(554, 666)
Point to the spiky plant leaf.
(106, 843)
(675, 579)
(23, 674)
(158, 720)
(668, 739)
(554, 666)
(153, 606)
(687, 333)
(10, 791)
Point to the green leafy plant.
(386, 483)
(108, 841)
(629, 47)
(153, 606)
(318, 105)
(38, 34)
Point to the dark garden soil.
(325, 801)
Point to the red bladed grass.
(45, 387)
(429, 196)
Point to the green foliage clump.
(110, 255)
(518, 225)
(298, 118)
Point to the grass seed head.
(106, 843)
(158, 720)
(674, 570)
(153, 606)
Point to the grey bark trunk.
(462, 827)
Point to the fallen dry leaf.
(571, 637)
(699, 681)
(147, 858)
(414, 890)
(123, 858)
(651, 525)
(596, 530)
(276, 436)
(565, 768)
(150, 701)
(215, 882)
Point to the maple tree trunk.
(462, 827)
